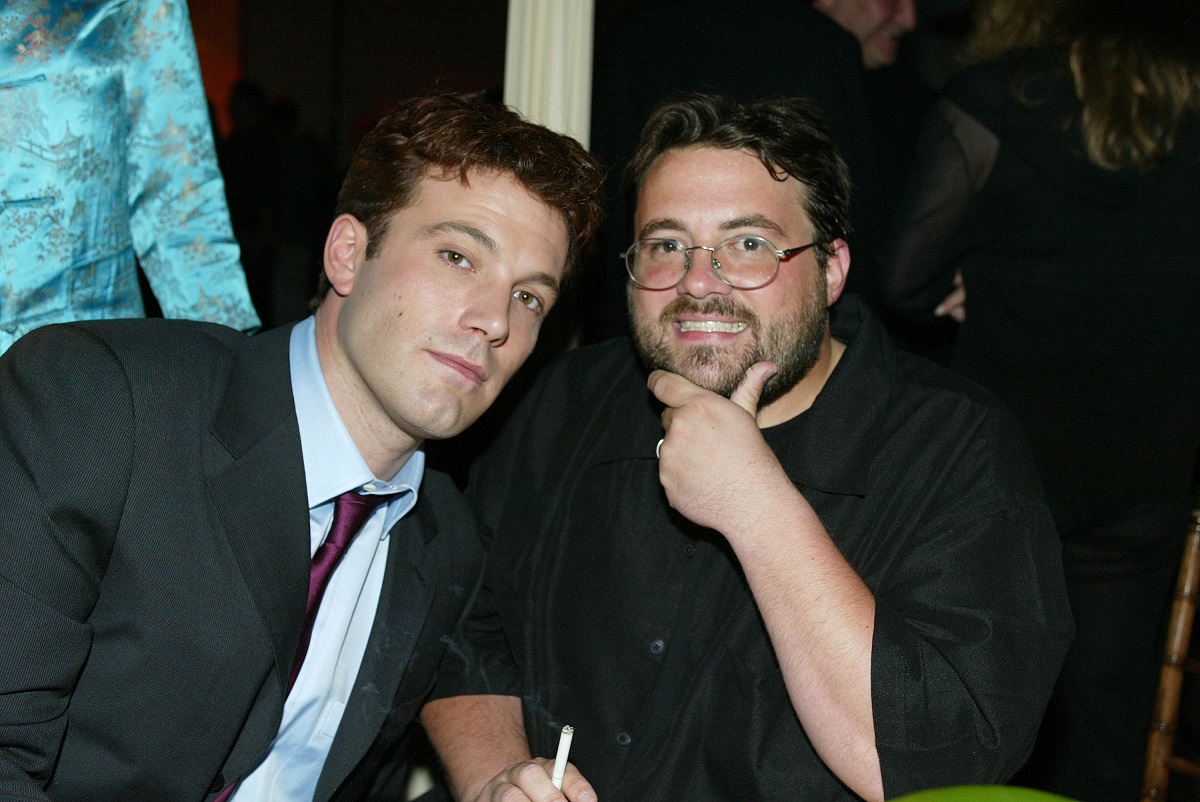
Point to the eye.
(455, 259)
(749, 244)
(529, 301)
(663, 247)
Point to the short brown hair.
(459, 134)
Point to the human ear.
(837, 266)
(345, 250)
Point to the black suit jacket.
(154, 568)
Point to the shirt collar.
(332, 464)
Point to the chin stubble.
(793, 344)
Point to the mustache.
(720, 305)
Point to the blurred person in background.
(876, 24)
(106, 163)
(1053, 213)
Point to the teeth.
(711, 326)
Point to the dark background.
(343, 61)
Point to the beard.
(793, 343)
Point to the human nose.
(702, 277)
(488, 314)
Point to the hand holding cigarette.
(530, 778)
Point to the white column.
(548, 63)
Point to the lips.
(464, 367)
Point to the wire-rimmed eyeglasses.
(742, 262)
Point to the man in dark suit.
(171, 488)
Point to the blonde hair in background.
(1136, 66)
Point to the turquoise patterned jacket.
(107, 161)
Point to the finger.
(953, 306)
(576, 788)
(502, 791)
(532, 779)
(749, 390)
(671, 388)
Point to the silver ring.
(657, 448)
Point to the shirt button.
(658, 646)
(623, 739)
(689, 550)
(369, 487)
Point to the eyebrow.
(462, 228)
(660, 225)
(753, 221)
(540, 277)
(545, 279)
(665, 224)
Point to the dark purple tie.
(350, 511)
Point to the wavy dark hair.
(452, 134)
(787, 134)
(1135, 64)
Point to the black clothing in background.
(752, 50)
(1083, 313)
(898, 101)
(638, 628)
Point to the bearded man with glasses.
(758, 553)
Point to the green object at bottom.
(982, 793)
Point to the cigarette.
(560, 759)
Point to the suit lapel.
(409, 585)
(256, 480)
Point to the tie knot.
(350, 511)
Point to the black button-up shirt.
(616, 615)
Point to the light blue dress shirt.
(332, 465)
(107, 160)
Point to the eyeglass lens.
(745, 262)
